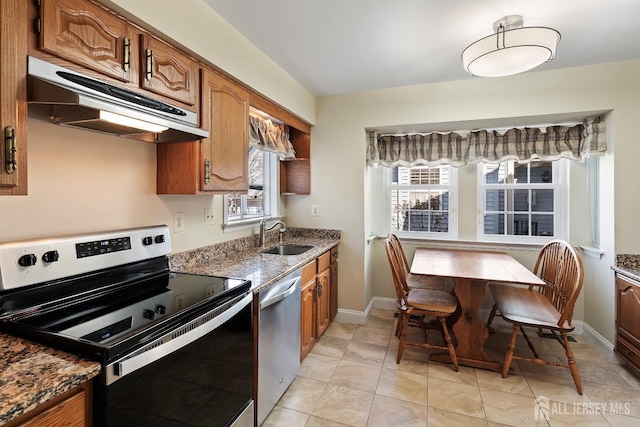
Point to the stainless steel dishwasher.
(278, 341)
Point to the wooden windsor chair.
(547, 307)
(420, 303)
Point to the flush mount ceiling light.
(511, 50)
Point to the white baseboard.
(360, 317)
(385, 303)
(594, 337)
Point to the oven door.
(201, 374)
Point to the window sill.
(592, 252)
(473, 244)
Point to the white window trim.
(271, 200)
(422, 235)
(560, 201)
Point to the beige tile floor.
(350, 378)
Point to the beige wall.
(81, 181)
(338, 162)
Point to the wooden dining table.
(471, 271)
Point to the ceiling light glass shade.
(510, 51)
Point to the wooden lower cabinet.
(628, 321)
(308, 311)
(323, 291)
(333, 294)
(70, 409)
(316, 301)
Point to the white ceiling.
(342, 46)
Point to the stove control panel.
(99, 247)
(37, 261)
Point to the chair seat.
(527, 307)
(430, 300)
(422, 281)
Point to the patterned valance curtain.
(457, 148)
(269, 136)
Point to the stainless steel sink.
(287, 250)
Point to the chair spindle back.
(560, 266)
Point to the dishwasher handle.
(290, 286)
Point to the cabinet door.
(323, 317)
(87, 35)
(333, 297)
(307, 326)
(225, 113)
(628, 310)
(13, 97)
(166, 71)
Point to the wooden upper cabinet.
(167, 71)
(13, 97)
(225, 114)
(87, 35)
(218, 164)
(295, 173)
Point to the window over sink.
(261, 201)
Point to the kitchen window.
(521, 202)
(423, 201)
(261, 200)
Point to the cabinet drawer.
(323, 261)
(309, 272)
(627, 351)
(70, 412)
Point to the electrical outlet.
(208, 217)
(315, 210)
(178, 222)
(209, 291)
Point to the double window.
(517, 202)
(520, 201)
(423, 201)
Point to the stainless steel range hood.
(65, 97)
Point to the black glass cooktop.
(115, 316)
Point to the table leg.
(469, 330)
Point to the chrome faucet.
(263, 229)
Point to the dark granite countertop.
(248, 262)
(628, 265)
(31, 374)
(633, 273)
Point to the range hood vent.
(67, 98)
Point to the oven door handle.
(127, 365)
